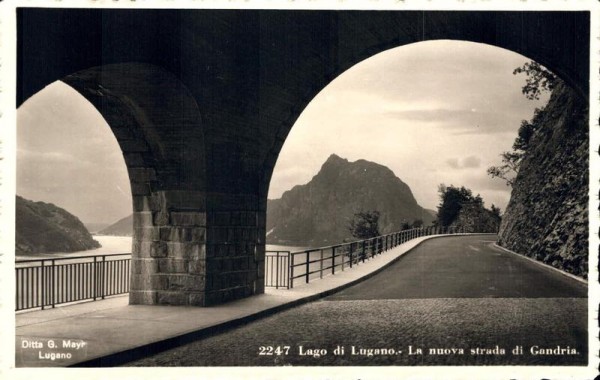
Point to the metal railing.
(315, 263)
(277, 269)
(42, 283)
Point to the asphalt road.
(464, 267)
(458, 299)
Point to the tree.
(452, 200)
(417, 223)
(365, 224)
(511, 161)
(405, 226)
(539, 80)
(496, 210)
(509, 168)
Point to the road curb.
(572, 276)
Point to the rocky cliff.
(45, 228)
(547, 216)
(318, 213)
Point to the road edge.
(572, 276)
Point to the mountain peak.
(317, 213)
(335, 159)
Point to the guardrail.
(42, 283)
(315, 263)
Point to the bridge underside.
(201, 102)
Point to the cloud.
(470, 121)
(45, 156)
(470, 162)
(453, 163)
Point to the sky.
(433, 112)
(67, 155)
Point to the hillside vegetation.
(45, 228)
(123, 227)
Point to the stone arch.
(249, 73)
(147, 108)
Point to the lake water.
(122, 244)
(110, 244)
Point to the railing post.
(43, 285)
(333, 260)
(53, 283)
(307, 265)
(95, 277)
(277, 271)
(351, 256)
(103, 268)
(321, 265)
(291, 271)
(364, 253)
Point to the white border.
(7, 180)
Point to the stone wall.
(547, 217)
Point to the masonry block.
(213, 298)
(144, 266)
(184, 200)
(142, 219)
(221, 218)
(144, 203)
(197, 251)
(235, 218)
(139, 297)
(252, 276)
(261, 269)
(172, 298)
(196, 299)
(211, 250)
(146, 233)
(198, 234)
(181, 218)
(197, 267)
(142, 249)
(142, 175)
(216, 281)
(261, 220)
(259, 286)
(139, 189)
(122, 133)
(161, 218)
(186, 282)
(149, 282)
(172, 266)
(158, 249)
(134, 159)
(136, 146)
